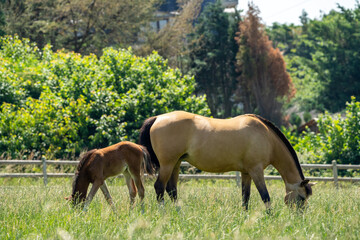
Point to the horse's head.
(79, 189)
(298, 193)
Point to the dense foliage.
(57, 104)
(84, 26)
(60, 103)
(212, 58)
(264, 79)
(322, 58)
(338, 138)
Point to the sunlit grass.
(206, 210)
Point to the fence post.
(335, 173)
(237, 179)
(44, 170)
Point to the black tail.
(144, 140)
(147, 161)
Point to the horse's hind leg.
(259, 180)
(163, 177)
(171, 186)
(131, 186)
(107, 195)
(245, 187)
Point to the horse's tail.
(147, 161)
(145, 140)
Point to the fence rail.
(334, 166)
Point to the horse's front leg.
(95, 187)
(107, 195)
(259, 180)
(245, 187)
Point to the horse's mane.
(83, 159)
(285, 141)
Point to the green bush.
(295, 119)
(338, 138)
(59, 104)
(307, 117)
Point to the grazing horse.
(247, 143)
(98, 164)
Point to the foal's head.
(79, 189)
(298, 193)
(81, 181)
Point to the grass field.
(208, 210)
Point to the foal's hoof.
(269, 212)
(142, 209)
(161, 203)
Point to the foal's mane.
(83, 159)
(285, 141)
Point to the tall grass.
(205, 210)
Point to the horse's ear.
(312, 184)
(304, 183)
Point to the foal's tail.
(147, 161)
(145, 141)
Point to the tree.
(337, 38)
(2, 19)
(322, 58)
(80, 25)
(171, 41)
(264, 79)
(212, 58)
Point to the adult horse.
(98, 164)
(247, 143)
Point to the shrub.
(59, 104)
(338, 138)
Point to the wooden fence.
(334, 166)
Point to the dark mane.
(83, 159)
(285, 141)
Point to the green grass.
(209, 210)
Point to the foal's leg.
(131, 186)
(95, 187)
(140, 188)
(171, 186)
(245, 187)
(107, 195)
(259, 180)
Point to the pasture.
(207, 209)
